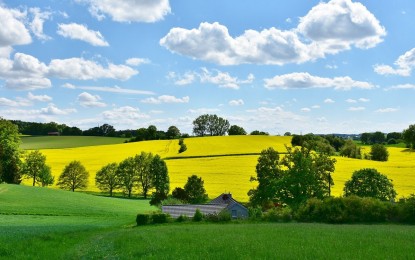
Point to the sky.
(296, 66)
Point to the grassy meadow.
(226, 163)
(55, 142)
(42, 223)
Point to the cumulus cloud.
(329, 101)
(125, 113)
(387, 110)
(403, 65)
(52, 109)
(12, 29)
(364, 100)
(206, 76)
(327, 28)
(351, 100)
(236, 102)
(356, 108)
(303, 80)
(166, 99)
(81, 32)
(36, 25)
(129, 10)
(88, 100)
(19, 102)
(305, 109)
(204, 110)
(79, 68)
(115, 89)
(136, 61)
(41, 98)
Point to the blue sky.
(335, 66)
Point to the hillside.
(55, 142)
(226, 163)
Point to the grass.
(56, 142)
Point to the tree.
(9, 152)
(365, 138)
(160, 179)
(351, 150)
(107, 179)
(151, 133)
(377, 138)
(74, 176)
(257, 132)
(141, 134)
(142, 164)
(393, 135)
(45, 176)
(236, 130)
(33, 165)
(370, 183)
(210, 125)
(180, 194)
(128, 175)
(195, 190)
(300, 175)
(409, 136)
(378, 152)
(173, 132)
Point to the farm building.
(216, 206)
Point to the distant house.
(216, 206)
(54, 133)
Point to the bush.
(392, 141)
(223, 216)
(282, 214)
(255, 213)
(159, 218)
(142, 219)
(171, 201)
(198, 216)
(406, 209)
(182, 148)
(157, 198)
(379, 152)
(182, 218)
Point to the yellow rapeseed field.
(229, 173)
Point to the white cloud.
(166, 99)
(328, 28)
(356, 108)
(28, 83)
(364, 100)
(206, 76)
(332, 67)
(129, 10)
(41, 98)
(79, 68)
(403, 86)
(404, 65)
(302, 80)
(305, 109)
(351, 100)
(204, 110)
(236, 102)
(125, 113)
(36, 26)
(12, 29)
(52, 109)
(19, 102)
(114, 89)
(329, 101)
(88, 100)
(387, 110)
(136, 61)
(315, 107)
(81, 32)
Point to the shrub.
(281, 214)
(310, 211)
(182, 148)
(159, 218)
(379, 152)
(392, 141)
(255, 213)
(351, 150)
(198, 216)
(142, 219)
(171, 201)
(223, 216)
(406, 209)
(182, 218)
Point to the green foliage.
(160, 180)
(210, 125)
(159, 218)
(373, 138)
(409, 136)
(378, 152)
(223, 216)
(173, 132)
(198, 216)
(182, 218)
(57, 142)
(142, 219)
(127, 174)
(9, 153)
(45, 176)
(370, 183)
(107, 179)
(257, 132)
(236, 130)
(34, 164)
(180, 194)
(278, 214)
(255, 213)
(183, 146)
(351, 150)
(300, 175)
(74, 176)
(142, 164)
(195, 190)
(406, 209)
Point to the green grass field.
(55, 142)
(39, 223)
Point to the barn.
(216, 206)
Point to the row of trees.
(302, 174)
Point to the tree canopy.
(236, 130)
(378, 152)
(107, 179)
(210, 125)
(409, 136)
(34, 164)
(195, 190)
(74, 176)
(9, 152)
(370, 183)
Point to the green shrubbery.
(278, 214)
(154, 218)
(142, 219)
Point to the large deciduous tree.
(160, 180)
(300, 175)
(378, 152)
(142, 164)
(370, 183)
(173, 132)
(9, 152)
(45, 176)
(107, 179)
(236, 130)
(74, 176)
(409, 136)
(33, 165)
(195, 190)
(128, 175)
(210, 125)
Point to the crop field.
(226, 163)
(54, 142)
(42, 223)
